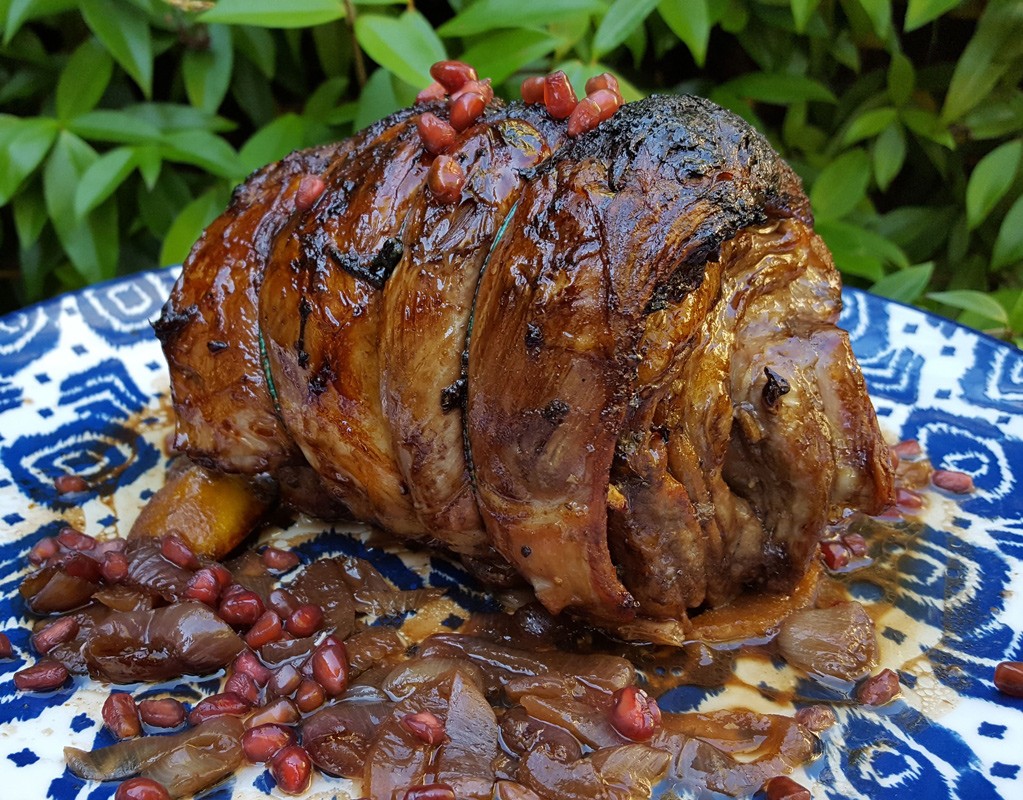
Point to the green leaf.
(125, 32)
(859, 251)
(901, 79)
(869, 123)
(406, 46)
(22, 148)
(802, 10)
(621, 19)
(1008, 247)
(102, 178)
(150, 162)
(920, 12)
(188, 226)
(488, 15)
(258, 46)
(29, 216)
(274, 13)
(207, 73)
(928, 125)
(906, 285)
(500, 55)
(888, 154)
(690, 21)
(273, 142)
(1001, 117)
(880, 13)
(114, 126)
(971, 300)
(83, 80)
(377, 99)
(21, 11)
(990, 180)
(778, 88)
(841, 185)
(205, 150)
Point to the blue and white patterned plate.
(83, 389)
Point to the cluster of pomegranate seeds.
(1009, 678)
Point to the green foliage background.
(124, 124)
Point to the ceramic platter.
(83, 389)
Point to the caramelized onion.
(338, 737)
(836, 642)
(324, 583)
(388, 602)
(211, 753)
(52, 589)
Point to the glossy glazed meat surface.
(610, 365)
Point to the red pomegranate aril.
(430, 791)
(57, 632)
(309, 190)
(281, 711)
(243, 686)
(953, 481)
(121, 715)
(424, 726)
(856, 543)
(532, 90)
(284, 681)
(43, 550)
(250, 664)
(75, 540)
(584, 117)
(782, 787)
(175, 550)
(6, 648)
(835, 555)
(446, 179)
(1009, 678)
(225, 704)
(241, 608)
(283, 602)
(482, 88)
(114, 567)
(70, 484)
(558, 95)
(232, 590)
(452, 75)
(44, 675)
(309, 696)
(907, 498)
(141, 789)
(466, 109)
(878, 689)
(203, 587)
(292, 768)
(908, 448)
(280, 560)
(82, 566)
(604, 80)
(262, 743)
(330, 667)
(437, 135)
(164, 712)
(634, 714)
(305, 620)
(607, 101)
(816, 718)
(222, 574)
(435, 91)
(264, 630)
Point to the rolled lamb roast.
(601, 355)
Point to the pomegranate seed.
(114, 567)
(75, 540)
(466, 109)
(70, 484)
(266, 629)
(584, 117)
(175, 550)
(816, 718)
(165, 712)
(284, 681)
(281, 711)
(431, 93)
(907, 498)
(782, 787)
(482, 88)
(57, 632)
(330, 667)
(121, 715)
(604, 80)
(430, 791)
(141, 789)
(248, 663)
(232, 590)
(558, 95)
(283, 602)
(437, 135)
(952, 481)
(908, 448)
(856, 543)
(878, 689)
(280, 560)
(292, 768)
(446, 179)
(225, 704)
(607, 101)
(309, 190)
(262, 743)
(43, 550)
(82, 566)
(241, 608)
(835, 555)
(532, 90)
(243, 686)
(305, 620)
(115, 545)
(44, 675)
(203, 587)
(309, 696)
(424, 726)
(6, 648)
(452, 75)
(634, 714)
(1009, 678)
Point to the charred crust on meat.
(775, 387)
(323, 377)
(534, 338)
(452, 396)
(172, 322)
(304, 310)
(555, 412)
(380, 266)
(526, 551)
(217, 346)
